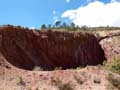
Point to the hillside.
(22, 51)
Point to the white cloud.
(96, 14)
(67, 1)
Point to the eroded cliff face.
(27, 49)
(110, 43)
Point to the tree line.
(60, 25)
(72, 27)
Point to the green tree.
(57, 23)
(49, 26)
(64, 25)
(72, 24)
(43, 26)
(84, 27)
(72, 27)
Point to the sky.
(34, 13)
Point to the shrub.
(19, 81)
(114, 65)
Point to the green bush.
(114, 65)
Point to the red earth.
(22, 51)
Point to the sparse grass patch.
(19, 81)
(58, 68)
(80, 67)
(114, 65)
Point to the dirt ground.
(89, 78)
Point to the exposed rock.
(49, 49)
(30, 49)
(111, 44)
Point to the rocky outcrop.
(111, 44)
(26, 48)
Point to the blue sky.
(33, 13)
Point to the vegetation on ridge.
(72, 27)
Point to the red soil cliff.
(26, 48)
